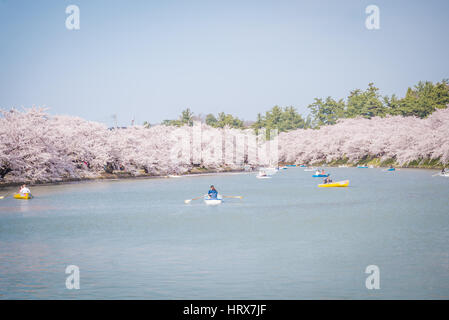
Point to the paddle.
(3, 197)
(438, 174)
(188, 200)
(236, 197)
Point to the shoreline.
(193, 172)
(121, 176)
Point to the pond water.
(286, 239)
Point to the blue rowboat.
(320, 175)
(391, 169)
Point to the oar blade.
(235, 197)
(188, 200)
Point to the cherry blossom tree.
(38, 147)
(403, 139)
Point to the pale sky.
(152, 59)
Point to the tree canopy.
(283, 119)
(224, 120)
(419, 101)
(186, 118)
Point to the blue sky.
(152, 59)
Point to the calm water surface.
(287, 239)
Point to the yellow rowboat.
(24, 196)
(344, 183)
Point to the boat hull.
(320, 175)
(337, 184)
(25, 196)
(213, 202)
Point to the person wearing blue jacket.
(212, 193)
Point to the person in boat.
(212, 193)
(443, 171)
(262, 174)
(318, 172)
(24, 190)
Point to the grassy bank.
(377, 162)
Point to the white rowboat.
(443, 174)
(213, 202)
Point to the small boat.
(290, 165)
(391, 169)
(213, 201)
(23, 196)
(302, 166)
(362, 167)
(337, 184)
(263, 175)
(343, 166)
(320, 175)
(309, 169)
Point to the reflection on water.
(287, 239)
(25, 207)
